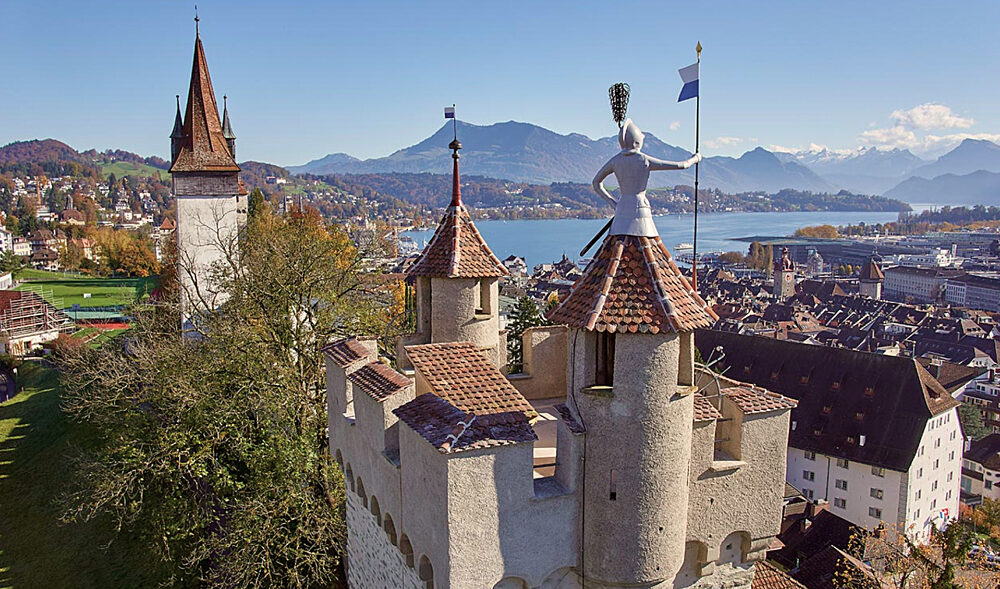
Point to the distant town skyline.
(312, 78)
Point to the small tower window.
(613, 486)
(605, 361)
(483, 298)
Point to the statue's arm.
(658, 164)
(599, 184)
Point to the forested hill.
(54, 158)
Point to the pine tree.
(526, 315)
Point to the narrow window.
(613, 486)
(605, 373)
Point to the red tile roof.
(754, 400)
(378, 380)
(768, 576)
(347, 351)
(871, 271)
(704, 410)
(632, 285)
(461, 374)
(203, 147)
(449, 429)
(457, 250)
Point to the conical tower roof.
(203, 148)
(227, 129)
(871, 272)
(178, 131)
(633, 286)
(457, 250)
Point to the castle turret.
(784, 276)
(871, 279)
(177, 135)
(227, 129)
(456, 277)
(631, 319)
(207, 190)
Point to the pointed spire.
(456, 185)
(227, 129)
(204, 147)
(178, 131)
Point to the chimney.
(993, 374)
(816, 507)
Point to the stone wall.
(372, 561)
(544, 373)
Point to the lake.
(546, 240)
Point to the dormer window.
(604, 373)
(869, 391)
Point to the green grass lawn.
(103, 291)
(120, 169)
(36, 550)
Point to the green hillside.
(121, 168)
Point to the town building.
(27, 321)
(874, 435)
(984, 394)
(211, 201)
(981, 470)
(974, 292)
(870, 279)
(784, 276)
(917, 285)
(611, 462)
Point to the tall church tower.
(456, 277)
(211, 202)
(784, 276)
(631, 320)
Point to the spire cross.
(196, 19)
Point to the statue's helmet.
(629, 136)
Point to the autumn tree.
(214, 447)
(818, 231)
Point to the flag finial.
(698, 48)
(196, 19)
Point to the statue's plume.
(618, 94)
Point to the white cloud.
(930, 116)
(675, 125)
(903, 138)
(723, 142)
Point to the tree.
(526, 315)
(972, 422)
(756, 256)
(255, 202)
(818, 231)
(214, 447)
(731, 258)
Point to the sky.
(309, 78)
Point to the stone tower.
(784, 276)
(871, 279)
(456, 278)
(211, 202)
(631, 362)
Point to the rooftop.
(449, 429)
(986, 451)
(633, 286)
(347, 351)
(378, 380)
(457, 250)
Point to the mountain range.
(523, 152)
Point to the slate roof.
(461, 374)
(457, 250)
(347, 351)
(986, 451)
(633, 286)
(203, 146)
(450, 430)
(768, 576)
(826, 529)
(754, 400)
(842, 394)
(951, 376)
(822, 571)
(378, 380)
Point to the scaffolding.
(30, 315)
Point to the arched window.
(407, 549)
(376, 511)
(349, 477)
(361, 493)
(734, 548)
(426, 572)
(390, 528)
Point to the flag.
(689, 75)
(449, 112)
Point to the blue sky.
(366, 78)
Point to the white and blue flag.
(689, 75)
(449, 112)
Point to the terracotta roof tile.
(460, 373)
(704, 410)
(457, 250)
(768, 576)
(754, 400)
(347, 351)
(572, 424)
(379, 381)
(203, 147)
(871, 271)
(632, 285)
(449, 429)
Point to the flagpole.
(697, 131)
